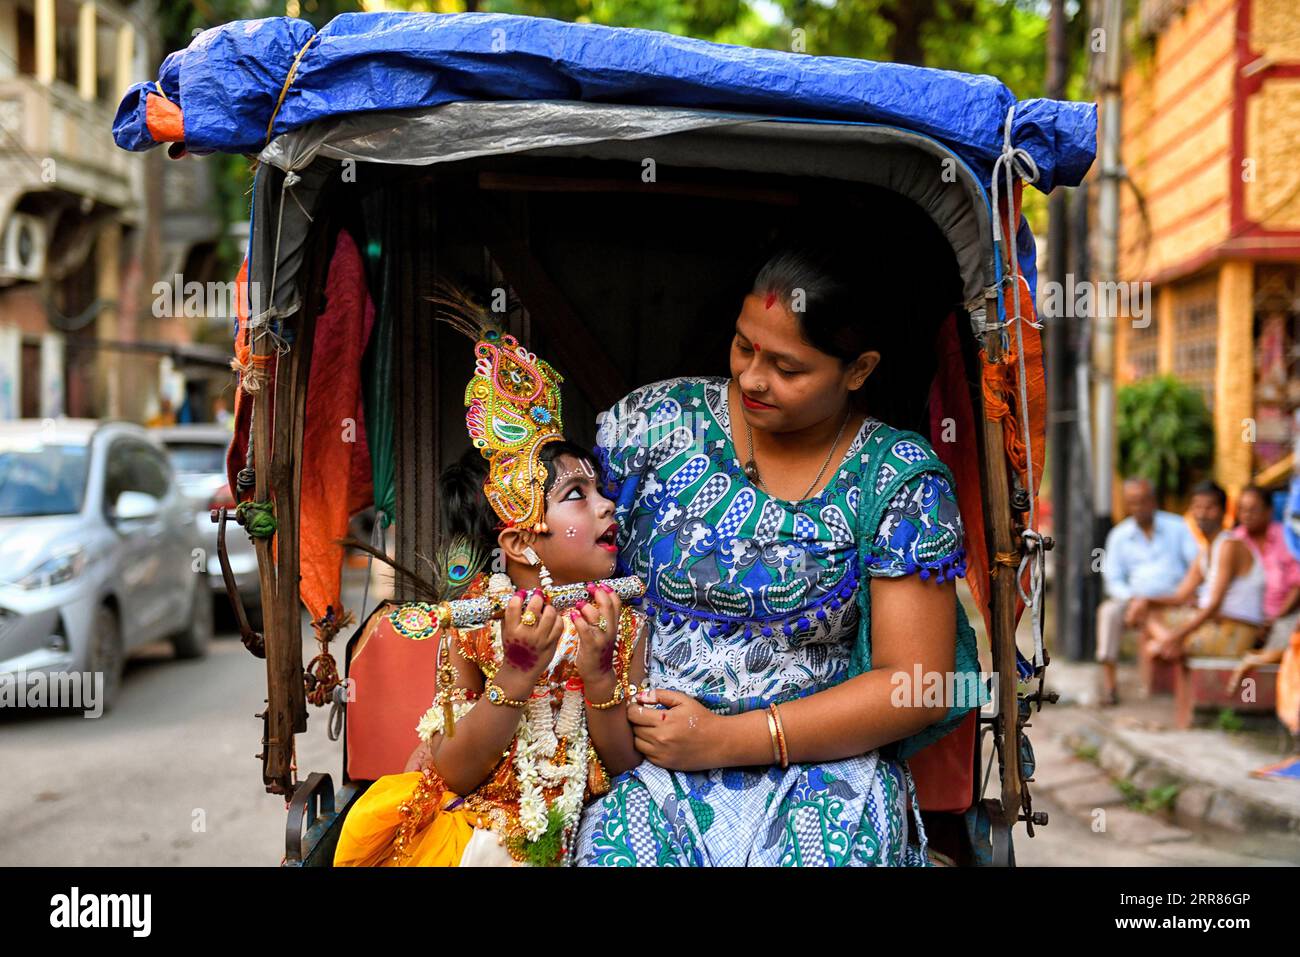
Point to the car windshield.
(191, 457)
(41, 479)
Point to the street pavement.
(169, 778)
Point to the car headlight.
(57, 570)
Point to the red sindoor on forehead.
(771, 298)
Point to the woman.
(754, 507)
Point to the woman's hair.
(852, 294)
(464, 509)
(822, 287)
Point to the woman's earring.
(532, 556)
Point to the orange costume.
(412, 819)
(527, 809)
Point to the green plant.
(1229, 721)
(1164, 433)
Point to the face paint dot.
(757, 347)
(570, 532)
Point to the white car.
(198, 454)
(98, 551)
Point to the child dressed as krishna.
(529, 721)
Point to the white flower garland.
(431, 722)
(538, 739)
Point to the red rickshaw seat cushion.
(944, 772)
(392, 687)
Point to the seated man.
(1281, 571)
(1208, 505)
(1228, 620)
(1146, 556)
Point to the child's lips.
(608, 539)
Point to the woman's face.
(785, 383)
(580, 545)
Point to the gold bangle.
(783, 756)
(495, 694)
(619, 695)
(771, 729)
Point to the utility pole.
(1060, 367)
(1103, 345)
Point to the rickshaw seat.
(944, 772)
(392, 685)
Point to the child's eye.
(576, 490)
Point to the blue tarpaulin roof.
(229, 81)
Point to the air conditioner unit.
(24, 245)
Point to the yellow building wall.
(1176, 142)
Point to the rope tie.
(1015, 162)
(322, 674)
(253, 374)
(258, 518)
(288, 80)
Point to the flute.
(473, 612)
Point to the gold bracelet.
(783, 756)
(771, 729)
(619, 695)
(495, 694)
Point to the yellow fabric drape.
(371, 826)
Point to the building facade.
(87, 229)
(1211, 144)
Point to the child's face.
(580, 545)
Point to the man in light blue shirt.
(1146, 556)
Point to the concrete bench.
(1202, 684)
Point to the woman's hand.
(596, 645)
(527, 649)
(683, 737)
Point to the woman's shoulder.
(648, 396)
(888, 452)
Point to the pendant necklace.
(751, 467)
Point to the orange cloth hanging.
(335, 457)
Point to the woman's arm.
(913, 623)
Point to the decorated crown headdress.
(513, 410)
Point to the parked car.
(198, 454)
(97, 551)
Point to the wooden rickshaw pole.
(277, 451)
(1005, 560)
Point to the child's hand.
(527, 649)
(596, 645)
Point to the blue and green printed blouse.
(751, 598)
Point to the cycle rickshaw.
(606, 178)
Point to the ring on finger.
(602, 622)
(528, 618)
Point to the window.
(135, 467)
